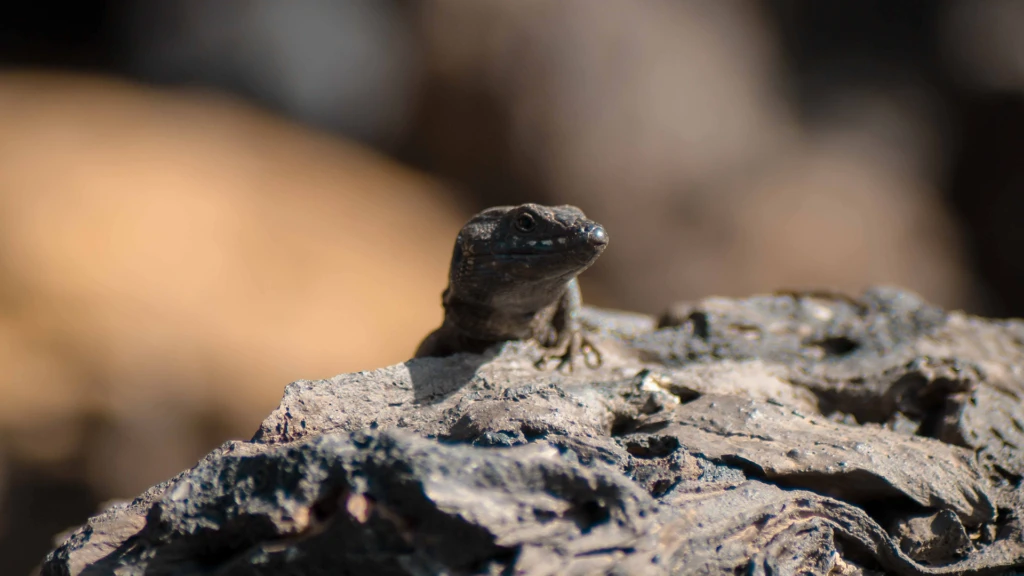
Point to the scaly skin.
(513, 277)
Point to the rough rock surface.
(784, 434)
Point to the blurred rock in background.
(670, 123)
(171, 256)
(169, 260)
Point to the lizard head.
(525, 253)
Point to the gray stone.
(772, 435)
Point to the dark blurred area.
(201, 201)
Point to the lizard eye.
(525, 222)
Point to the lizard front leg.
(568, 344)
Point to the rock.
(773, 435)
(932, 538)
(855, 464)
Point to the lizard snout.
(596, 236)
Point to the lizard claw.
(575, 349)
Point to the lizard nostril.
(597, 236)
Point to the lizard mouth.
(561, 258)
(524, 253)
(586, 240)
(548, 265)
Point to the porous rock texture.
(783, 434)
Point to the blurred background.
(202, 201)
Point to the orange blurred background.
(200, 202)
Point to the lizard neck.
(489, 321)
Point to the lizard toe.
(576, 351)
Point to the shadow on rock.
(433, 381)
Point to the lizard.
(513, 277)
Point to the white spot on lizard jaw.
(545, 242)
(532, 243)
(561, 240)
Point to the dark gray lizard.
(513, 277)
